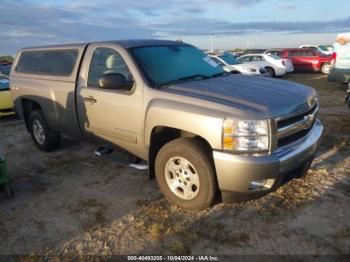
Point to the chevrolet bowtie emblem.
(309, 120)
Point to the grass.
(157, 231)
(344, 233)
(178, 247)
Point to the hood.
(250, 96)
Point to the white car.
(287, 62)
(274, 65)
(320, 48)
(230, 64)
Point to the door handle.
(90, 100)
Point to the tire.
(325, 68)
(44, 138)
(271, 71)
(196, 175)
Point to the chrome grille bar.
(305, 123)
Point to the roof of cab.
(297, 49)
(122, 43)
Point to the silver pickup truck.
(205, 134)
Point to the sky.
(233, 23)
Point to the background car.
(6, 105)
(253, 51)
(277, 52)
(320, 48)
(274, 51)
(308, 59)
(274, 65)
(232, 65)
(5, 69)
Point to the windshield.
(230, 59)
(323, 48)
(276, 57)
(164, 65)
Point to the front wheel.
(43, 137)
(326, 68)
(185, 174)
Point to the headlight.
(246, 135)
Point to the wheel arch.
(162, 135)
(28, 105)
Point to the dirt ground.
(72, 202)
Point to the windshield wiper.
(181, 79)
(194, 77)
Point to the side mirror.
(115, 81)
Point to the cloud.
(203, 26)
(31, 24)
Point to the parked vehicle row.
(307, 57)
(202, 131)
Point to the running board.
(106, 153)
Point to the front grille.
(295, 127)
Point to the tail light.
(334, 58)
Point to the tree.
(6, 59)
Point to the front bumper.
(290, 69)
(236, 172)
(6, 106)
(280, 71)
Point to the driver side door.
(113, 115)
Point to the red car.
(308, 59)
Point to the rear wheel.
(43, 137)
(271, 71)
(185, 174)
(325, 68)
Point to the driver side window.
(106, 61)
